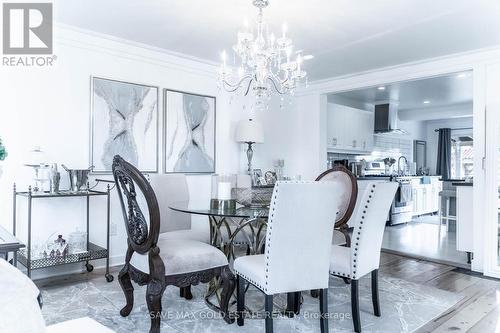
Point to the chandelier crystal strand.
(265, 65)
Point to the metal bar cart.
(93, 252)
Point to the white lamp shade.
(250, 130)
(36, 156)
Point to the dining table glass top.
(203, 208)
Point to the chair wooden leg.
(228, 285)
(355, 305)
(375, 299)
(240, 302)
(128, 290)
(323, 309)
(269, 313)
(293, 304)
(188, 294)
(154, 293)
(185, 292)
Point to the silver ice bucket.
(78, 178)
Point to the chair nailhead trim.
(251, 281)
(340, 274)
(360, 227)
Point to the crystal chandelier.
(266, 65)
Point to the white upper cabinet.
(349, 129)
(336, 130)
(366, 129)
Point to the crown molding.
(68, 35)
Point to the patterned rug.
(405, 307)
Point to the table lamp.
(250, 131)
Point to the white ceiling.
(346, 36)
(441, 91)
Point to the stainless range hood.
(386, 119)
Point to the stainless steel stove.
(402, 205)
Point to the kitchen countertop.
(462, 183)
(384, 177)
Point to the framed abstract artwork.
(124, 121)
(189, 132)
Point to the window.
(462, 157)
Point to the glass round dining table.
(243, 226)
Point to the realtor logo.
(27, 28)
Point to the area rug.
(405, 307)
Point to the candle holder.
(223, 205)
(222, 198)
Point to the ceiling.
(345, 36)
(429, 93)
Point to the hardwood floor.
(422, 239)
(478, 311)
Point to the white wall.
(50, 107)
(275, 121)
(289, 131)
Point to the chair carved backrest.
(139, 206)
(369, 222)
(289, 264)
(348, 185)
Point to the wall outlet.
(113, 229)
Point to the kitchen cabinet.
(425, 196)
(367, 129)
(349, 129)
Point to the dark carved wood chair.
(159, 263)
(349, 189)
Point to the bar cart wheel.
(109, 278)
(89, 267)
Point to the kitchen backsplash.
(383, 146)
(393, 146)
(387, 146)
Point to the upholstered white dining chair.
(363, 256)
(286, 267)
(157, 262)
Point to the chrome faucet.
(399, 168)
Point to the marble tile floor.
(406, 306)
